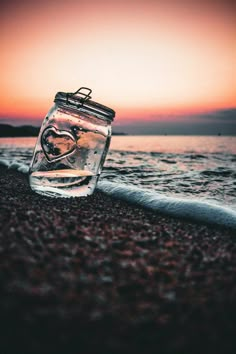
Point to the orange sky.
(141, 58)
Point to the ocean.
(184, 172)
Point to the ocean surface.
(188, 172)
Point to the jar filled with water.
(72, 146)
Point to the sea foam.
(193, 209)
(19, 166)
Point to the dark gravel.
(97, 275)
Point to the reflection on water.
(154, 143)
(175, 144)
(18, 142)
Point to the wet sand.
(97, 275)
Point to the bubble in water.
(74, 129)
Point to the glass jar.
(72, 146)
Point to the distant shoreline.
(9, 131)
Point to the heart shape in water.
(57, 143)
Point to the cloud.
(228, 115)
(211, 123)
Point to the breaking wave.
(196, 210)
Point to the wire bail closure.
(80, 101)
(83, 96)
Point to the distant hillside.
(118, 133)
(7, 131)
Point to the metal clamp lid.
(81, 100)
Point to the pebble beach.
(100, 275)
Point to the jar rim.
(82, 102)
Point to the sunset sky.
(153, 62)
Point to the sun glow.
(140, 58)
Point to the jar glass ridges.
(72, 146)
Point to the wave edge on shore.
(196, 210)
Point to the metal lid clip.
(83, 96)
